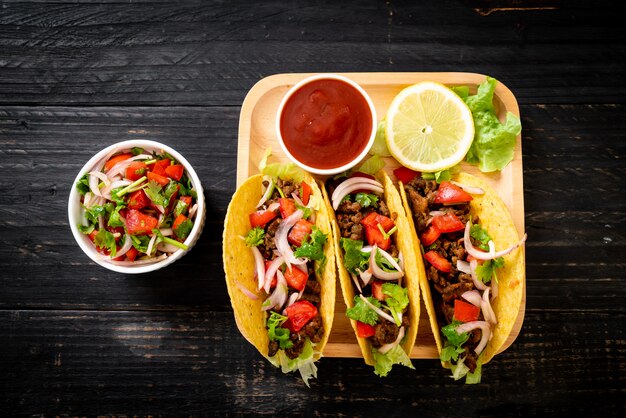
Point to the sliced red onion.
(463, 266)
(469, 189)
(473, 297)
(366, 249)
(167, 248)
(379, 311)
(100, 222)
(389, 258)
(93, 185)
(380, 273)
(245, 290)
(366, 276)
(274, 206)
(484, 327)
(303, 268)
(492, 247)
(278, 298)
(385, 348)
(488, 312)
(128, 243)
(193, 210)
(101, 176)
(481, 255)
(353, 187)
(477, 282)
(137, 262)
(121, 166)
(494, 288)
(87, 199)
(166, 232)
(350, 182)
(297, 199)
(151, 244)
(259, 265)
(355, 279)
(106, 191)
(280, 238)
(271, 271)
(292, 299)
(266, 195)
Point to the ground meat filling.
(445, 287)
(349, 216)
(314, 330)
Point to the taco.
(279, 264)
(472, 270)
(378, 280)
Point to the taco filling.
(462, 270)
(285, 243)
(367, 230)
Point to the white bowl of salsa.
(326, 124)
(136, 206)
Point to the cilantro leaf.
(105, 239)
(154, 191)
(140, 242)
(115, 219)
(397, 299)
(363, 313)
(86, 229)
(451, 353)
(136, 150)
(480, 234)
(180, 207)
(354, 259)
(449, 331)
(275, 331)
(487, 270)
(116, 198)
(182, 231)
(367, 200)
(255, 237)
(83, 184)
(313, 247)
(94, 212)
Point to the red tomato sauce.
(326, 123)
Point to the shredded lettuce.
(474, 378)
(354, 259)
(494, 142)
(304, 363)
(362, 312)
(384, 362)
(459, 370)
(380, 142)
(372, 165)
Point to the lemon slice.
(429, 127)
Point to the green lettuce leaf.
(372, 165)
(362, 312)
(354, 259)
(380, 142)
(303, 363)
(494, 142)
(397, 299)
(474, 378)
(275, 331)
(255, 237)
(383, 363)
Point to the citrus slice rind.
(429, 127)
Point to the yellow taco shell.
(496, 219)
(239, 265)
(404, 243)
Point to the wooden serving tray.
(257, 132)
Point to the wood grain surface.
(79, 340)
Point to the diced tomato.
(299, 232)
(296, 278)
(92, 235)
(136, 170)
(131, 254)
(186, 200)
(138, 200)
(159, 167)
(274, 280)
(465, 312)
(447, 223)
(470, 258)
(430, 235)
(114, 160)
(364, 330)
(299, 314)
(116, 230)
(179, 220)
(451, 194)
(261, 217)
(162, 180)
(174, 171)
(377, 290)
(373, 233)
(438, 261)
(305, 193)
(138, 223)
(287, 207)
(404, 174)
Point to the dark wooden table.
(77, 339)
